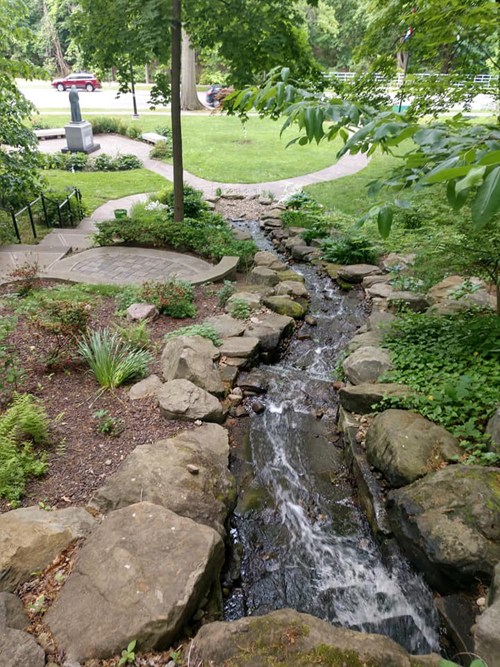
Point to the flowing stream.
(301, 538)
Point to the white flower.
(156, 206)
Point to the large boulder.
(268, 260)
(380, 290)
(442, 295)
(141, 575)
(285, 306)
(493, 429)
(181, 399)
(304, 253)
(487, 637)
(292, 288)
(449, 524)
(367, 339)
(192, 358)
(261, 275)
(354, 273)
(286, 276)
(30, 538)
(226, 326)
(362, 398)
(269, 328)
(19, 649)
(286, 637)
(409, 300)
(187, 474)
(12, 614)
(367, 364)
(251, 299)
(405, 446)
(380, 321)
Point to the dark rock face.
(297, 640)
(449, 524)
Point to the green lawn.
(99, 187)
(214, 148)
(349, 193)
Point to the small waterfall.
(305, 543)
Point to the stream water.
(301, 538)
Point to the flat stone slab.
(140, 576)
(181, 399)
(269, 260)
(250, 298)
(241, 346)
(354, 273)
(227, 326)
(269, 328)
(292, 288)
(362, 397)
(30, 538)
(187, 474)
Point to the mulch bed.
(81, 458)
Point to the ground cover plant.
(202, 231)
(204, 330)
(215, 148)
(452, 364)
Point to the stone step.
(66, 239)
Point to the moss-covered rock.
(284, 306)
(286, 637)
(290, 275)
(449, 524)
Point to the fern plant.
(22, 426)
(111, 361)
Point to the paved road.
(46, 97)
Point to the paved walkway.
(113, 144)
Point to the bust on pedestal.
(79, 135)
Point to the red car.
(83, 80)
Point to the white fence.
(487, 80)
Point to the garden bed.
(79, 456)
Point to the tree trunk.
(402, 59)
(189, 94)
(62, 65)
(176, 111)
(147, 75)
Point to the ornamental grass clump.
(111, 360)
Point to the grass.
(99, 187)
(215, 148)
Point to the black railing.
(52, 212)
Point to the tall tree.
(189, 93)
(19, 174)
(176, 110)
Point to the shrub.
(127, 162)
(66, 322)
(299, 199)
(27, 276)
(194, 205)
(350, 249)
(134, 131)
(172, 297)
(24, 425)
(205, 330)
(108, 124)
(135, 335)
(53, 198)
(161, 150)
(77, 161)
(164, 131)
(104, 162)
(126, 297)
(111, 361)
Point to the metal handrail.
(43, 198)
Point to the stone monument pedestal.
(79, 138)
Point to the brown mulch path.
(80, 458)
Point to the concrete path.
(113, 144)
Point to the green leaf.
(456, 201)
(488, 159)
(131, 646)
(487, 200)
(285, 74)
(474, 176)
(384, 221)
